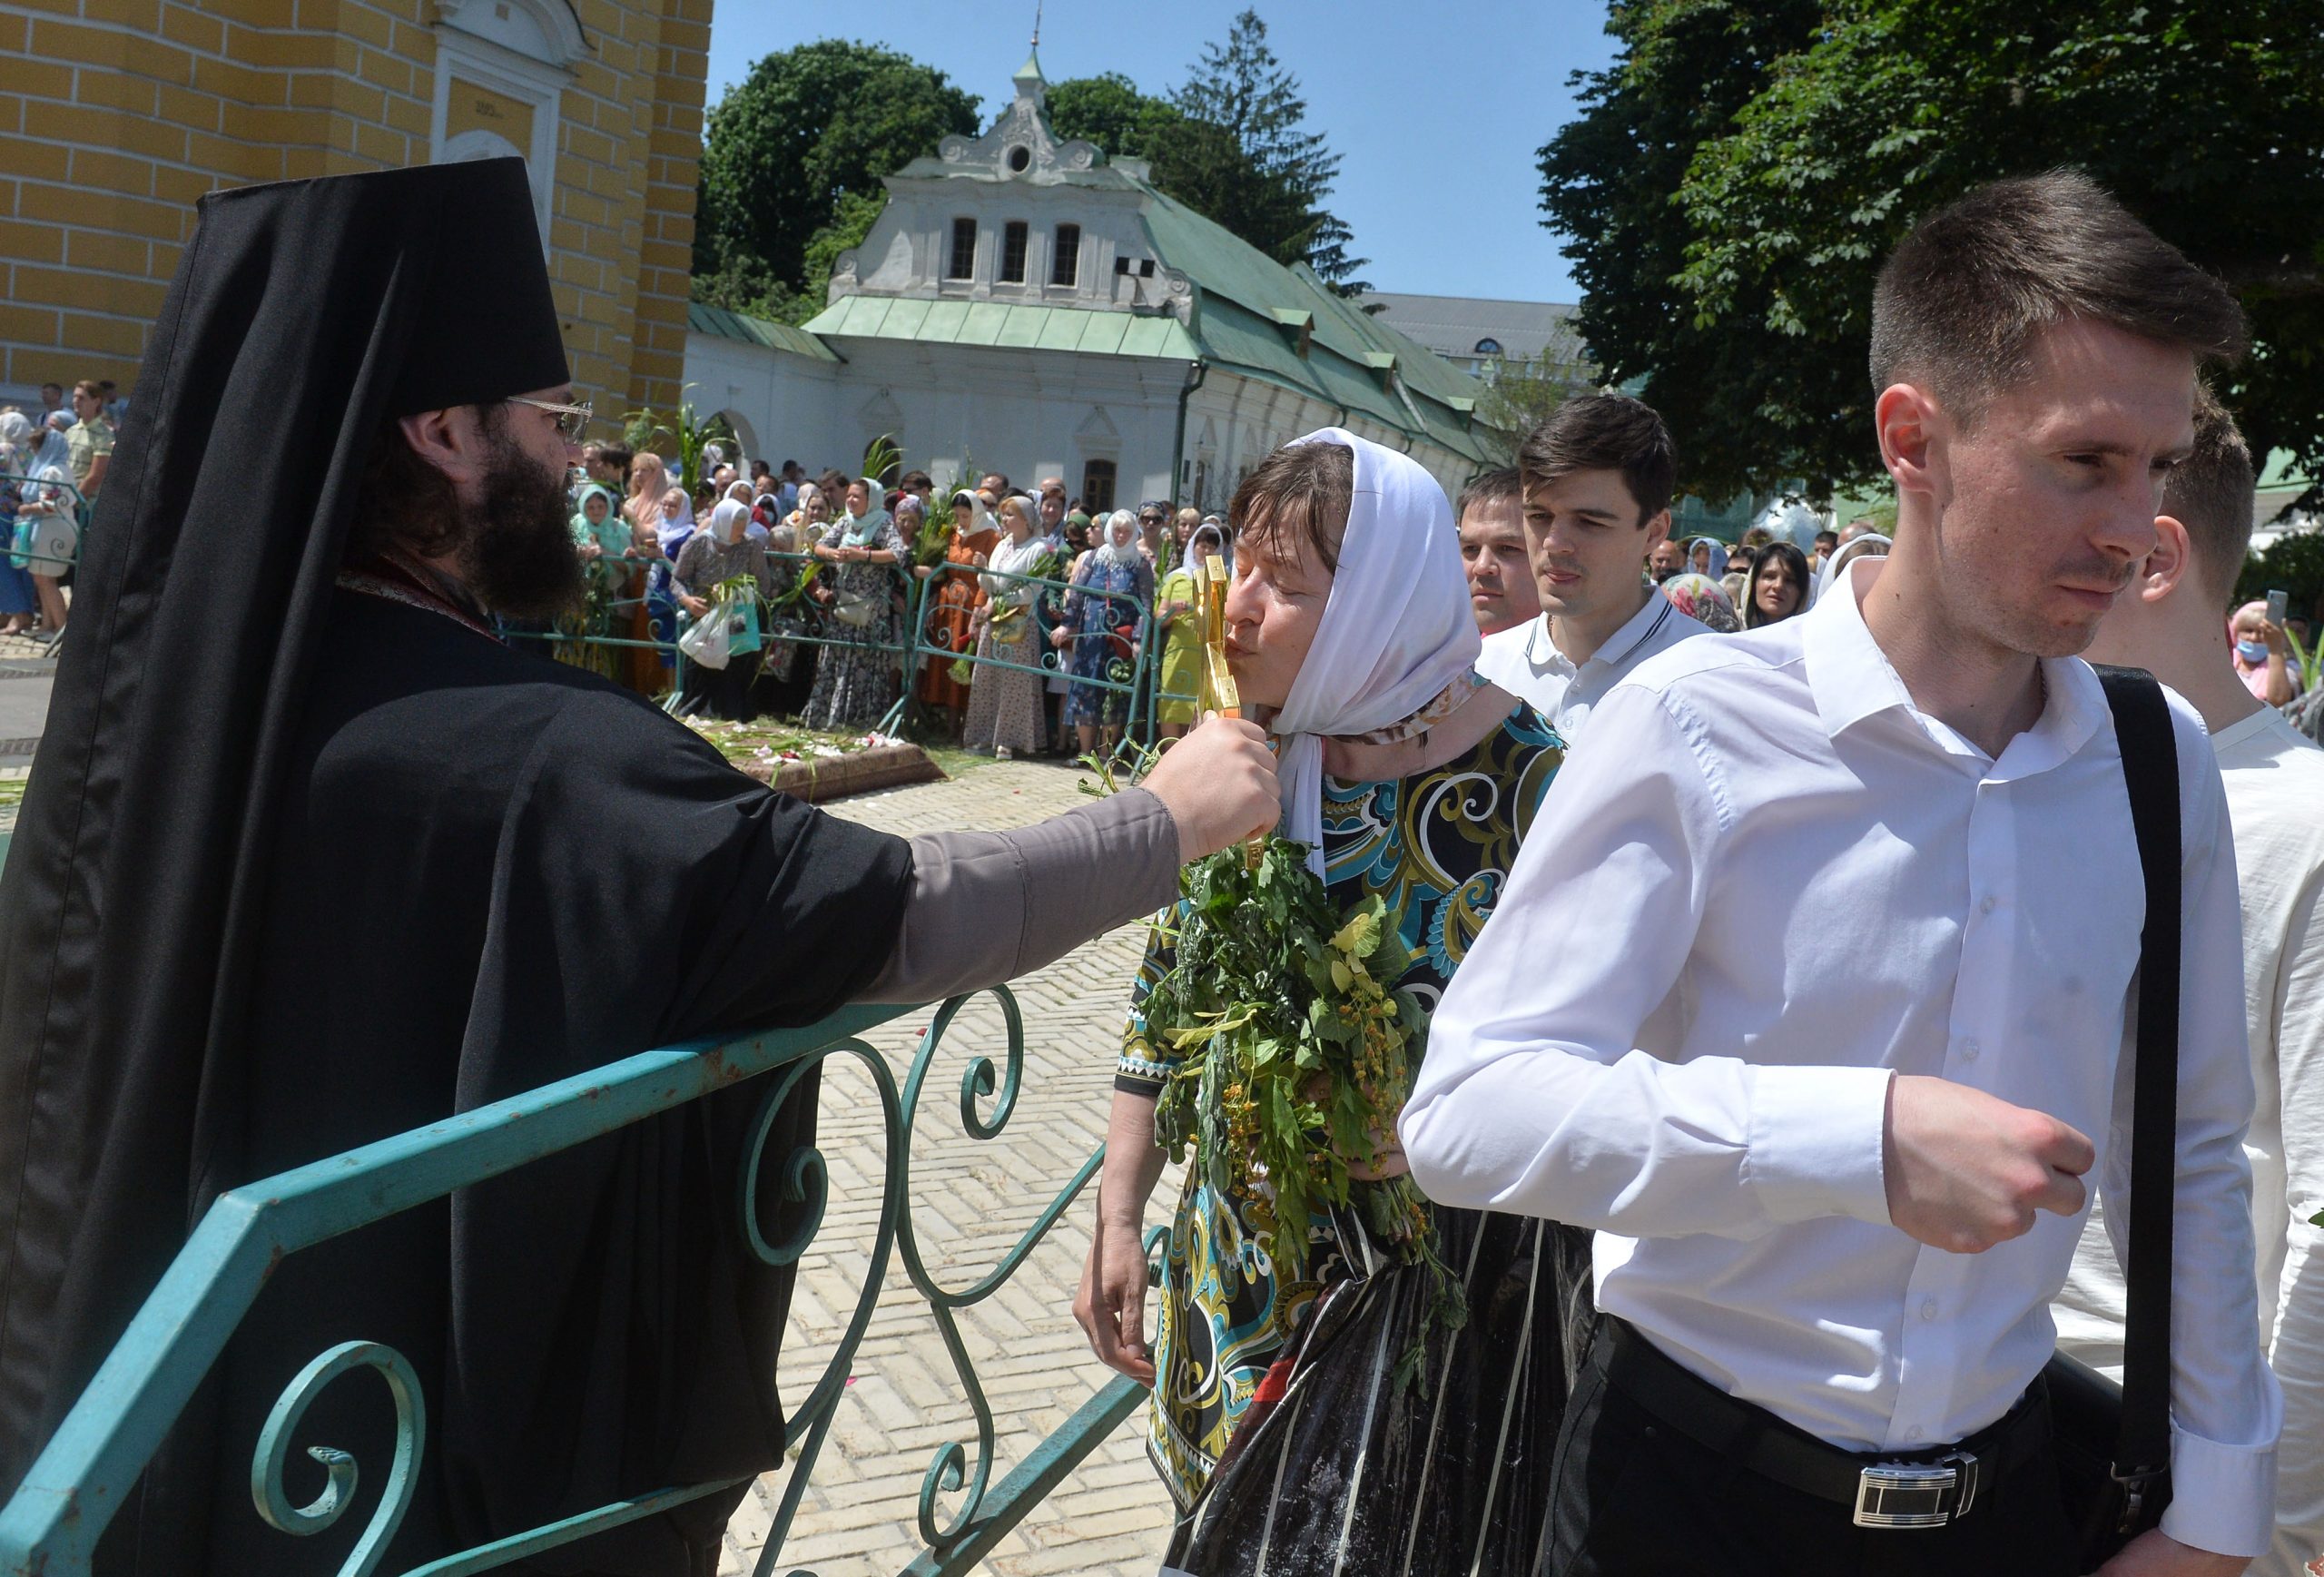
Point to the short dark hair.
(916, 479)
(617, 456)
(1604, 432)
(1300, 494)
(90, 387)
(1497, 486)
(2211, 494)
(1831, 537)
(1960, 301)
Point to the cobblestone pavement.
(971, 1201)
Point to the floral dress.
(860, 673)
(1093, 616)
(1005, 707)
(1274, 1421)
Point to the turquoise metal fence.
(50, 1526)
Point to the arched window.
(1487, 346)
(1098, 486)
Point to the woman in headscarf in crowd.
(2262, 656)
(1702, 600)
(1005, 704)
(1277, 1417)
(809, 518)
(1736, 582)
(1707, 555)
(649, 478)
(601, 538)
(1871, 545)
(1104, 625)
(861, 672)
(958, 598)
(719, 552)
(1179, 691)
(1779, 588)
(19, 606)
(47, 490)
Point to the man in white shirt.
(1490, 517)
(1597, 479)
(2169, 623)
(1808, 989)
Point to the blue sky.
(1437, 107)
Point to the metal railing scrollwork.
(51, 1523)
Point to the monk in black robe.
(309, 859)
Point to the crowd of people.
(53, 465)
(1037, 611)
(1782, 925)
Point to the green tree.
(794, 152)
(1274, 200)
(1785, 176)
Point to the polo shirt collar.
(1851, 679)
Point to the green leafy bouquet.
(1299, 1052)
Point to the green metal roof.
(1021, 324)
(774, 336)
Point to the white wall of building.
(1027, 414)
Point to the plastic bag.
(705, 640)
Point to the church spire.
(1030, 82)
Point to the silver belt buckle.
(1917, 1494)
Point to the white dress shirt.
(1527, 663)
(2274, 779)
(1768, 884)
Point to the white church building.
(1029, 306)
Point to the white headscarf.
(1396, 632)
(981, 518)
(728, 520)
(1854, 547)
(1106, 553)
(1216, 533)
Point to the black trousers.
(1634, 1497)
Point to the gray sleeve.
(986, 907)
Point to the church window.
(1020, 159)
(1065, 256)
(963, 263)
(1098, 486)
(1488, 347)
(1012, 253)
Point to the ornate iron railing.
(51, 1524)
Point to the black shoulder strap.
(2151, 771)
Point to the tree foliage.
(792, 164)
(1738, 173)
(1241, 86)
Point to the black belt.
(1917, 1489)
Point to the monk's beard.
(518, 556)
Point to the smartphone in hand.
(2279, 604)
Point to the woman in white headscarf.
(1278, 1420)
(19, 607)
(1706, 557)
(1103, 628)
(721, 551)
(1179, 684)
(862, 671)
(1870, 544)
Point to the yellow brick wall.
(116, 114)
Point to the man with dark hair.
(1836, 1185)
(2167, 622)
(358, 873)
(612, 469)
(918, 484)
(1596, 480)
(1827, 543)
(1490, 517)
(52, 397)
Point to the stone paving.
(971, 1201)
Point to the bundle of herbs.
(1298, 1052)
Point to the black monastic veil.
(300, 868)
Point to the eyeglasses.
(572, 421)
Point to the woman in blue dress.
(1113, 591)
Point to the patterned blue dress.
(1093, 618)
(1435, 848)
